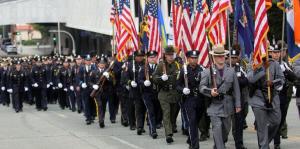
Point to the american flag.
(186, 26)
(199, 26)
(260, 32)
(154, 37)
(218, 24)
(176, 18)
(113, 12)
(128, 38)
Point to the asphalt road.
(62, 129)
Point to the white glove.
(186, 91)
(59, 85)
(282, 67)
(65, 89)
(164, 77)
(35, 85)
(53, 88)
(25, 89)
(3, 88)
(127, 87)
(51, 83)
(106, 74)
(238, 74)
(48, 85)
(95, 87)
(83, 85)
(147, 83)
(9, 90)
(72, 88)
(133, 84)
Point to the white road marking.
(125, 142)
(60, 115)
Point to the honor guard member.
(220, 83)
(65, 83)
(238, 119)
(78, 95)
(187, 85)
(275, 52)
(38, 80)
(149, 91)
(27, 66)
(118, 88)
(4, 82)
(48, 64)
(55, 74)
(296, 67)
(105, 89)
(17, 86)
(3, 92)
(124, 102)
(136, 104)
(266, 82)
(165, 76)
(86, 85)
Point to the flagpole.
(229, 42)
(282, 36)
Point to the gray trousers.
(220, 129)
(267, 125)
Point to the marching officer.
(149, 91)
(38, 80)
(265, 84)
(238, 119)
(78, 95)
(17, 86)
(86, 84)
(187, 85)
(220, 83)
(165, 77)
(105, 88)
(136, 104)
(4, 82)
(66, 81)
(275, 52)
(124, 102)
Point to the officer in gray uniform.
(220, 83)
(296, 68)
(266, 105)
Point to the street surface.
(62, 129)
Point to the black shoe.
(188, 141)
(45, 109)
(143, 130)
(17, 111)
(39, 109)
(276, 146)
(154, 135)
(175, 130)
(139, 131)
(245, 126)
(284, 137)
(185, 132)
(113, 121)
(169, 139)
(101, 124)
(79, 111)
(203, 138)
(132, 127)
(125, 124)
(88, 122)
(158, 126)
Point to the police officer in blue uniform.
(187, 85)
(86, 85)
(150, 91)
(17, 86)
(38, 80)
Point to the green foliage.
(44, 29)
(29, 42)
